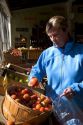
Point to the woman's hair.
(57, 22)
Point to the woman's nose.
(52, 38)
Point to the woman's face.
(59, 37)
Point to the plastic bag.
(67, 111)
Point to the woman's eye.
(54, 35)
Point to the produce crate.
(9, 77)
(14, 77)
(19, 68)
(8, 58)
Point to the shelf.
(20, 44)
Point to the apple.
(47, 101)
(38, 102)
(26, 80)
(47, 109)
(31, 103)
(50, 106)
(43, 103)
(13, 96)
(10, 122)
(24, 91)
(21, 81)
(16, 79)
(33, 82)
(26, 97)
(38, 106)
(42, 97)
(34, 109)
(41, 109)
(34, 96)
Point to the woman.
(62, 64)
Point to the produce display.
(17, 78)
(16, 52)
(29, 98)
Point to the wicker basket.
(2, 91)
(19, 113)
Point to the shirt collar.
(67, 47)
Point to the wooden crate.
(8, 58)
(19, 68)
(11, 77)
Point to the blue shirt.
(63, 68)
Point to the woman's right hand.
(33, 82)
(68, 92)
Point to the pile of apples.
(16, 52)
(35, 101)
(17, 78)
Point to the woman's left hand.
(68, 92)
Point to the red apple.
(41, 109)
(26, 97)
(13, 96)
(38, 106)
(10, 123)
(24, 91)
(34, 96)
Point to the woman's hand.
(68, 92)
(33, 82)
